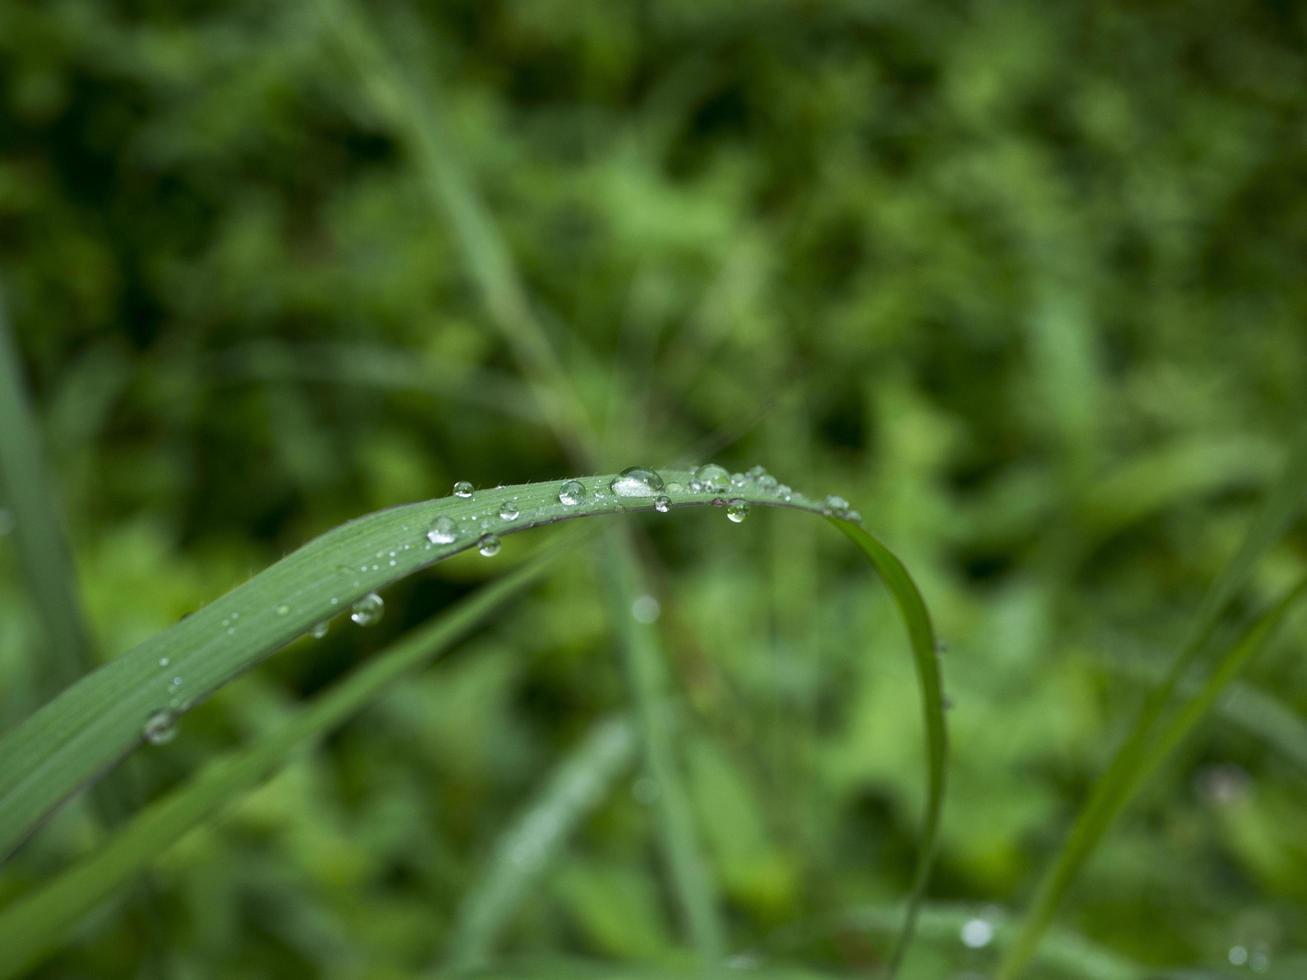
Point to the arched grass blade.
(33, 927)
(522, 853)
(921, 636)
(93, 724)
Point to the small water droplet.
(737, 510)
(571, 493)
(645, 609)
(636, 481)
(463, 489)
(443, 530)
(164, 661)
(662, 503)
(738, 480)
(368, 610)
(1238, 955)
(710, 477)
(174, 684)
(508, 511)
(488, 546)
(784, 491)
(283, 609)
(757, 472)
(160, 728)
(320, 630)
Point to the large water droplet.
(488, 546)
(508, 511)
(571, 493)
(443, 531)
(463, 489)
(160, 728)
(836, 505)
(662, 503)
(737, 510)
(710, 477)
(368, 610)
(637, 481)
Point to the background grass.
(1022, 283)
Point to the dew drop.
(767, 483)
(164, 661)
(784, 491)
(710, 477)
(571, 493)
(320, 630)
(738, 480)
(160, 728)
(488, 546)
(463, 489)
(662, 503)
(836, 505)
(636, 481)
(283, 609)
(737, 510)
(443, 530)
(368, 610)
(757, 472)
(508, 511)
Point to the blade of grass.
(1114, 788)
(523, 851)
(643, 659)
(921, 637)
(45, 558)
(33, 928)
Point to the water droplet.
(319, 631)
(662, 503)
(738, 479)
(757, 472)
(283, 609)
(488, 546)
(368, 610)
(710, 478)
(645, 609)
(174, 684)
(443, 530)
(636, 481)
(508, 511)
(737, 510)
(463, 489)
(977, 933)
(160, 728)
(767, 483)
(571, 493)
(1238, 955)
(164, 661)
(836, 505)
(784, 491)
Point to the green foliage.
(1022, 281)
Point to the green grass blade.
(523, 851)
(643, 659)
(33, 927)
(1114, 787)
(43, 551)
(45, 557)
(921, 636)
(94, 723)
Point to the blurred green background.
(1023, 281)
